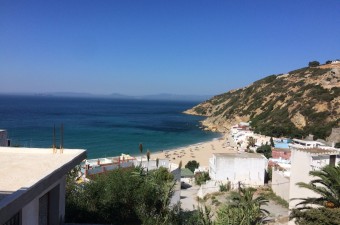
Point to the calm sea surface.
(105, 127)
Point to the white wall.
(280, 184)
(249, 171)
(301, 165)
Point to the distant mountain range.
(163, 96)
(301, 102)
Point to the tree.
(251, 142)
(192, 165)
(148, 158)
(328, 62)
(157, 162)
(313, 64)
(327, 185)
(141, 151)
(243, 208)
(272, 142)
(266, 150)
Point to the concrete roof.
(281, 149)
(318, 151)
(239, 155)
(22, 168)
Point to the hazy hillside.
(301, 102)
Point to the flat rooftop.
(319, 150)
(21, 168)
(239, 155)
(281, 149)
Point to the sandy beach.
(200, 152)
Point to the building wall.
(30, 212)
(300, 167)
(249, 171)
(276, 154)
(280, 184)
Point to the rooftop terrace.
(21, 168)
(239, 155)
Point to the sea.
(104, 127)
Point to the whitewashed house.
(247, 168)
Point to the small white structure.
(32, 184)
(247, 168)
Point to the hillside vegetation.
(301, 102)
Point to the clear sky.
(149, 47)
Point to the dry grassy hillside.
(301, 102)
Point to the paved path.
(188, 198)
(277, 213)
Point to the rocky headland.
(302, 102)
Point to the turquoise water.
(105, 127)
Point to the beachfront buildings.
(246, 168)
(32, 184)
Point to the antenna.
(62, 138)
(54, 150)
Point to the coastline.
(201, 152)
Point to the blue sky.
(148, 47)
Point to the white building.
(247, 168)
(32, 184)
(152, 164)
(304, 160)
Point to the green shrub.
(201, 177)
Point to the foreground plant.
(243, 208)
(324, 209)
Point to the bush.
(192, 165)
(201, 177)
(317, 216)
(122, 196)
(313, 64)
(225, 187)
(266, 150)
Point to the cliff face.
(301, 102)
